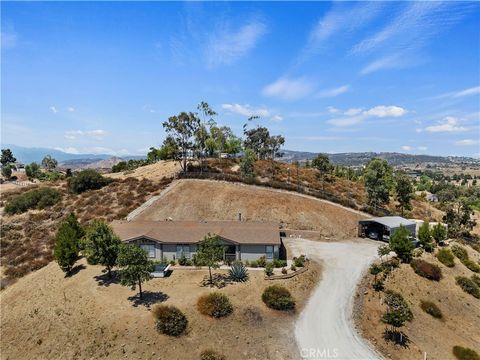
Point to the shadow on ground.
(105, 280)
(218, 280)
(75, 270)
(148, 298)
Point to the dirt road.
(325, 328)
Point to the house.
(171, 240)
(381, 228)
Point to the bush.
(211, 355)
(87, 180)
(378, 285)
(254, 264)
(293, 267)
(262, 261)
(279, 298)
(215, 304)
(469, 286)
(375, 269)
(445, 256)
(170, 320)
(277, 263)
(299, 261)
(471, 265)
(238, 272)
(284, 271)
(476, 279)
(269, 269)
(460, 252)
(431, 309)
(397, 303)
(426, 269)
(463, 353)
(33, 199)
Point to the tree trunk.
(211, 279)
(109, 272)
(140, 288)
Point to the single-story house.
(171, 240)
(381, 228)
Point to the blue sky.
(331, 77)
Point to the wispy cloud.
(95, 134)
(149, 108)
(227, 46)
(70, 109)
(467, 142)
(333, 92)
(385, 62)
(53, 109)
(448, 124)
(459, 93)
(289, 88)
(248, 111)
(406, 148)
(356, 116)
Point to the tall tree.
(322, 163)
(135, 268)
(7, 157)
(210, 253)
(404, 191)
(182, 129)
(233, 145)
(49, 163)
(33, 171)
(247, 163)
(378, 182)
(439, 233)
(257, 140)
(401, 244)
(425, 237)
(67, 243)
(7, 171)
(102, 246)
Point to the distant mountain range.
(104, 161)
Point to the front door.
(229, 253)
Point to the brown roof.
(179, 232)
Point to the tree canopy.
(135, 268)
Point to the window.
(183, 250)
(269, 252)
(150, 249)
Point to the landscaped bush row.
(445, 256)
(33, 199)
(470, 286)
(462, 254)
(426, 269)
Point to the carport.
(381, 228)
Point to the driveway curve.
(325, 328)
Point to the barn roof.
(175, 232)
(390, 221)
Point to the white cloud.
(467, 142)
(74, 134)
(386, 111)
(448, 124)
(356, 116)
(248, 111)
(406, 148)
(68, 150)
(289, 89)
(332, 110)
(385, 62)
(422, 148)
(53, 109)
(471, 91)
(334, 92)
(71, 109)
(225, 47)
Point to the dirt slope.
(151, 172)
(214, 200)
(47, 316)
(461, 311)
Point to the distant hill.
(27, 155)
(91, 163)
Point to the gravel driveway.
(325, 328)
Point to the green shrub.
(277, 263)
(397, 303)
(445, 256)
(211, 355)
(262, 261)
(269, 269)
(471, 265)
(462, 353)
(279, 298)
(426, 269)
(293, 267)
(299, 261)
(375, 269)
(254, 264)
(476, 279)
(378, 285)
(431, 309)
(460, 252)
(469, 286)
(238, 272)
(87, 180)
(284, 271)
(169, 319)
(215, 304)
(33, 199)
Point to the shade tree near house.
(401, 244)
(135, 268)
(425, 237)
(210, 253)
(102, 246)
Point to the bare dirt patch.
(47, 316)
(214, 200)
(461, 313)
(155, 171)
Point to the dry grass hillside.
(216, 200)
(155, 171)
(47, 316)
(461, 312)
(27, 239)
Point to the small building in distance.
(172, 240)
(381, 228)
